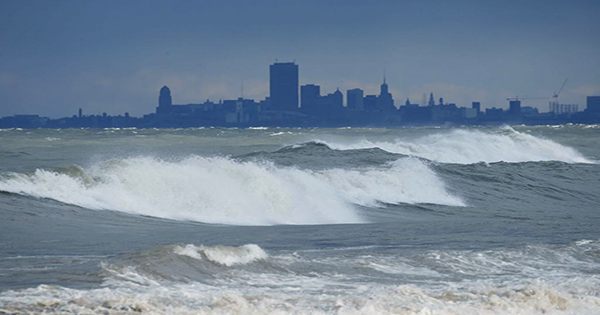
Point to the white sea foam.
(465, 146)
(221, 190)
(223, 255)
(406, 180)
(531, 280)
(144, 296)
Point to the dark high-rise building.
(385, 101)
(337, 99)
(331, 105)
(593, 104)
(309, 97)
(370, 102)
(476, 106)
(354, 99)
(514, 107)
(164, 100)
(431, 102)
(283, 86)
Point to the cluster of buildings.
(290, 104)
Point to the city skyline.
(57, 57)
(294, 105)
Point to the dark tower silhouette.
(476, 106)
(338, 99)
(514, 107)
(431, 101)
(164, 100)
(80, 113)
(309, 96)
(383, 89)
(355, 99)
(283, 86)
(385, 101)
(593, 104)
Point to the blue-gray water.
(405, 221)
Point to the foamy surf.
(222, 190)
(307, 285)
(534, 298)
(223, 255)
(465, 146)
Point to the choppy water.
(405, 221)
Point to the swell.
(317, 155)
(466, 146)
(541, 191)
(227, 191)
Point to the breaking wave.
(223, 255)
(464, 146)
(226, 191)
(543, 279)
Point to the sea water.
(473, 220)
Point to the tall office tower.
(309, 97)
(283, 86)
(514, 107)
(354, 99)
(385, 101)
(164, 100)
(337, 99)
(476, 106)
(593, 104)
(431, 102)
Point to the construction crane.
(554, 106)
(517, 98)
(557, 93)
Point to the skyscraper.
(431, 102)
(593, 104)
(514, 107)
(354, 99)
(309, 96)
(385, 101)
(164, 100)
(283, 86)
(476, 106)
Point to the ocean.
(470, 220)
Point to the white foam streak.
(471, 146)
(221, 190)
(537, 297)
(223, 255)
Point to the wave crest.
(223, 255)
(222, 190)
(464, 146)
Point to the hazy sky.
(113, 56)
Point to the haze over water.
(498, 220)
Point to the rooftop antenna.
(242, 88)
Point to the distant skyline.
(114, 56)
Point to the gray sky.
(113, 56)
